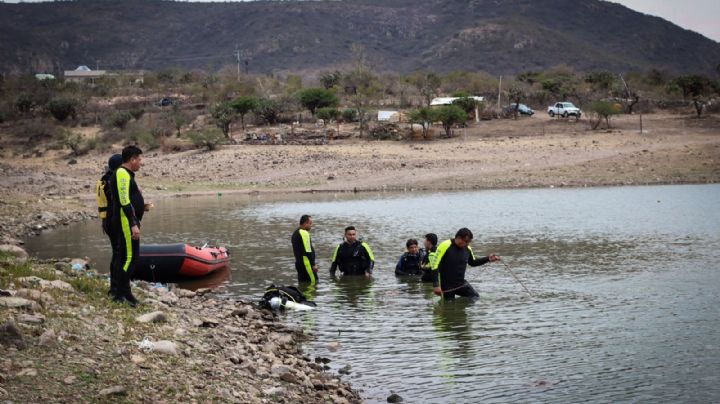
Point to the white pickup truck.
(564, 109)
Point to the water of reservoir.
(626, 285)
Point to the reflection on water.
(624, 282)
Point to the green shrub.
(119, 119)
(209, 138)
(349, 115)
(71, 140)
(148, 140)
(137, 113)
(63, 108)
(24, 102)
(385, 131)
(36, 130)
(327, 113)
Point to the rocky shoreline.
(61, 332)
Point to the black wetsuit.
(409, 264)
(426, 265)
(304, 256)
(449, 270)
(128, 206)
(353, 259)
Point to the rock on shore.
(188, 347)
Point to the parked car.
(522, 109)
(165, 101)
(564, 109)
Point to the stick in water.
(516, 278)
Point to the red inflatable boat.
(167, 262)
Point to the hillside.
(499, 36)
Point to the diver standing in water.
(452, 258)
(304, 251)
(409, 263)
(352, 256)
(431, 240)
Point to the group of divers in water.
(443, 264)
(121, 207)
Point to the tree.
(528, 77)
(427, 84)
(268, 110)
(362, 87)
(222, 113)
(179, 118)
(516, 95)
(466, 102)
(63, 108)
(603, 110)
(425, 117)
(330, 79)
(314, 98)
(600, 80)
(697, 88)
(450, 115)
(243, 105)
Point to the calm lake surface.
(626, 285)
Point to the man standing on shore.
(128, 207)
(451, 260)
(352, 257)
(104, 197)
(304, 251)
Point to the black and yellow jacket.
(353, 259)
(450, 264)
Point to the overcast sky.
(702, 16)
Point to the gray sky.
(702, 16)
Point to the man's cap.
(115, 161)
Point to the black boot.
(132, 300)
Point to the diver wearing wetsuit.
(409, 263)
(104, 195)
(448, 271)
(352, 256)
(128, 207)
(304, 251)
(429, 254)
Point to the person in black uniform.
(451, 260)
(352, 256)
(409, 263)
(304, 251)
(128, 207)
(431, 240)
(103, 186)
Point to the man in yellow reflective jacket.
(451, 259)
(304, 251)
(352, 256)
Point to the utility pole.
(499, 91)
(237, 55)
